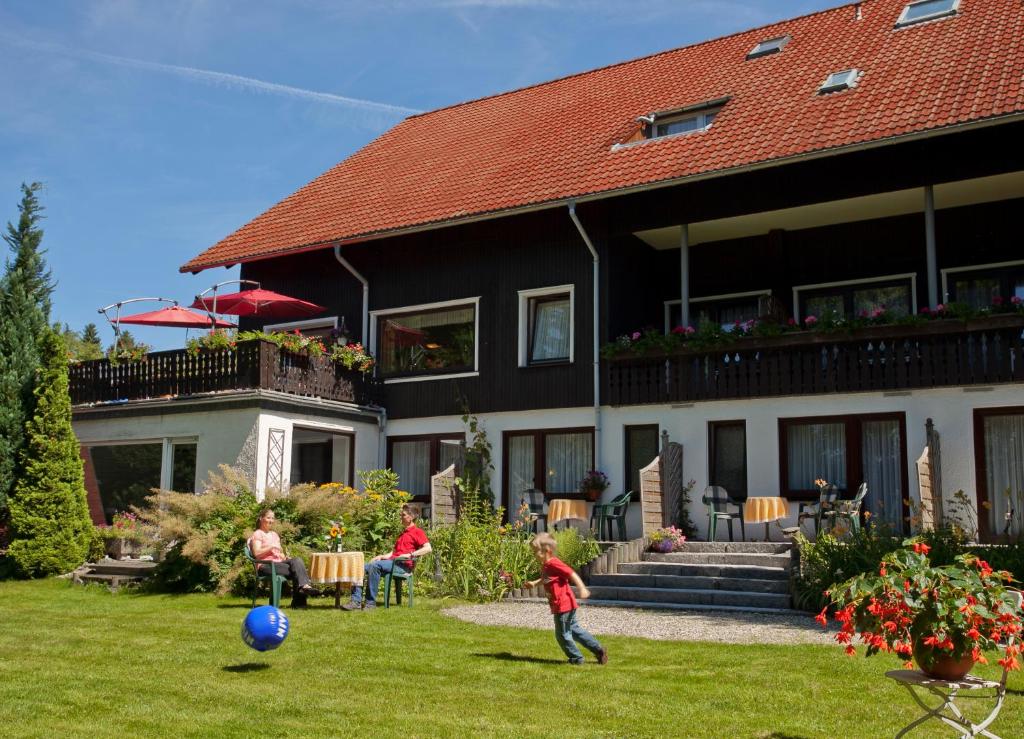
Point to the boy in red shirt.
(556, 576)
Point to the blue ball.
(264, 628)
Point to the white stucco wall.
(951, 410)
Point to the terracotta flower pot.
(942, 666)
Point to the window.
(183, 467)
(321, 456)
(725, 310)
(125, 474)
(437, 339)
(418, 458)
(641, 449)
(839, 81)
(926, 10)
(846, 451)
(999, 455)
(727, 456)
(552, 461)
(546, 331)
(771, 46)
(982, 285)
(895, 294)
(688, 123)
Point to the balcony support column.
(684, 274)
(929, 245)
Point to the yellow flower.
(335, 531)
(375, 496)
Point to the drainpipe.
(929, 245)
(684, 274)
(597, 316)
(382, 438)
(366, 293)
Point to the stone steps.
(703, 570)
(675, 582)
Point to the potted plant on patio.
(123, 538)
(593, 484)
(945, 617)
(667, 540)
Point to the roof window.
(770, 46)
(926, 10)
(690, 119)
(839, 81)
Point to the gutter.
(606, 194)
(366, 293)
(596, 333)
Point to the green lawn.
(81, 662)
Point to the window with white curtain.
(846, 451)
(552, 461)
(546, 326)
(1003, 435)
(416, 459)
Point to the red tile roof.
(554, 141)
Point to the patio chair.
(718, 501)
(948, 691)
(824, 509)
(535, 517)
(850, 509)
(610, 514)
(398, 575)
(273, 578)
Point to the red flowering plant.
(911, 608)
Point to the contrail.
(206, 75)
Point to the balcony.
(944, 353)
(252, 365)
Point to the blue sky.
(160, 127)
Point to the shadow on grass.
(778, 735)
(509, 657)
(246, 667)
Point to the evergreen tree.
(24, 315)
(50, 525)
(91, 335)
(85, 345)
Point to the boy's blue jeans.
(566, 630)
(374, 571)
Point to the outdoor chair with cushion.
(398, 575)
(718, 502)
(849, 510)
(948, 692)
(536, 518)
(610, 514)
(824, 509)
(273, 578)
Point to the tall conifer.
(50, 524)
(24, 315)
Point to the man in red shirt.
(556, 576)
(411, 543)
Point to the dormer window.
(839, 81)
(771, 46)
(926, 10)
(690, 119)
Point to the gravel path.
(731, 627)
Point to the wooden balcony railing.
(252, 365)
(940, 354)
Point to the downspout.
(597, 316)
(366, 293)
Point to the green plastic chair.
(822, 510)
(398, 575)
(610, 514)
(850, 509)
(274, 578)
(718, 501)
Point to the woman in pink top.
(265, 546)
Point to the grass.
(82, 662)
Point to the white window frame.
(524, 321)
(866, 281)
(474, 301)
(327, 322)
(166, 451)
(973, 268)
(763, 49)
(709, 299)
(833, 83)
(698, 115)
(902, 21)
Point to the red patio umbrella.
(174, 316)
(257, 302)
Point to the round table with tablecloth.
(765, 509)
(337, 568)
(563, 509)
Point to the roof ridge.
(472, 101)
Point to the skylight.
(770, 46)
(840, 81)
(926, 10)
